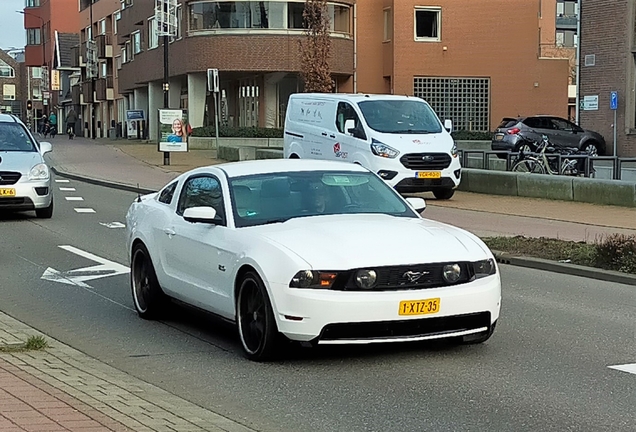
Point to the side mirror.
(448, 125)
(200, 214)
(45, 147)
(418, 204)
(350, 126)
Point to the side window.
(345, 112)
(202, 191)
(561, 125)
(167, 193)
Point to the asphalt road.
(546, 367)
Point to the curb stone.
(501, 257)
(564, 268)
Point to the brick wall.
(605, 33)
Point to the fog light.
(457, 173)
(387, 175)
(452, 273)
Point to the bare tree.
(315, 48)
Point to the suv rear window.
(507, 123)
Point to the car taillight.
(514, 131)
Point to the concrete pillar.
(155, 102)
(197, 92)
(174, 94)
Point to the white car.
(25, 178)
(318, 251)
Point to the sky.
(12, 32)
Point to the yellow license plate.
(7, 192)
(429, 174)
(419, 307)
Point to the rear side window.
(507, 123)
(538, 123)
(167, 193)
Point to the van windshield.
(400, 116)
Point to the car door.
(540, 126)
(567, 136)
(346, 141)
(196, 253)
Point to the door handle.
(324, 134)
(169, 231)
(332, 136)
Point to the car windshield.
(400, 116)
(277, 197)
(13, 138)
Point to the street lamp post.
(29, 78)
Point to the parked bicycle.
(536, 158)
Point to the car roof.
(358, 97)
(8, 118)
(264, 166)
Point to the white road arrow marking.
(630, 368)
(113, 224)
(78, 277)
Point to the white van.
(398, 137)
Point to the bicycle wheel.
(529, 166)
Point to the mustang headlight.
(39, 172)
(383, 150)
(313, 279)
(484, 268)
(452, 272)
(366, 279)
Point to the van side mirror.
(350, 126)
(448, 125)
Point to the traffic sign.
(614, 100)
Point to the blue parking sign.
(614, 100)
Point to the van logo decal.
(338, 152)
(428, 158)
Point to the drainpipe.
(355, 48)
(578, 64)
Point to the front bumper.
(29, 195)
(407, 180)
(339, 317)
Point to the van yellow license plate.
(7, 192)
(419, 307)
(429, 174)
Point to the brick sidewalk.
(62, 389)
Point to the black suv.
(513, 133)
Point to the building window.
(34, 36)
(6, 71)
(136, 40)
(213, 15)
(388, 25)
(153, 35)
(8, 92)
(465, 101)
(32, 3)
(116, 17)
(103, 70)
(124, 55)
(128, 52)
(89, 32)
(119, 61)
(37, 92)
(428, 24)
(36, 72)
(179, 21)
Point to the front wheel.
(591, 149)
(528, 166)
(255, 316)
(444, 194)
(148, 297)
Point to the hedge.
(259, 132)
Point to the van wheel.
(294, 156)
(444, 194)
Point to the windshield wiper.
(276, 220)
(414, 131)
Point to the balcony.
(76, 95)
(104, 89)
(566, 22)
(77, 60)
(104, 46)
(87, 92)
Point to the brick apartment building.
(475, 62)
(11, 79)
(607, 63)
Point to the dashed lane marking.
(65, 189)
(84, 210)
(74, 199)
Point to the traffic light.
(29, 105)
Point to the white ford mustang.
(318, 251)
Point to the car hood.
(341, 242)
(417, 143)
(19, 161)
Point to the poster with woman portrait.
(173, 130)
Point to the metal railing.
(616, 166)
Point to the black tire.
(148, 297)
(444, 194)
(479, 337)
(255, 318)
(45, 213)
(294, 156)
